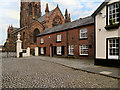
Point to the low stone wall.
(9, 54)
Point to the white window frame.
(71, 49)
(42, 50)
(83, 33)
(115, 9)
(59, 37)
(83, 48)
(59, 50)
(41, 40)
(113, 45)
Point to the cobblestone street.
(34, 73)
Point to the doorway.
(51, 50)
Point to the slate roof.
(42, 18)
(70, 25)
(100, 8)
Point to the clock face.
(57, 21)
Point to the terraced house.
(74, 39)
(107, 33)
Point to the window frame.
(113, 46)
(41, 40)
(59, 50)
(59, 37)
(82, 49)
(84, 31)
(71, 49)
(42, 50)
(108, 12)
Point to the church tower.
(29, 11)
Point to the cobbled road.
(34, 73)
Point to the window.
(71, 49)
(59, 50)
(35, 10)
(36, 32)
(59, 38)
(113, 13)
(57, 21)
(30, 9)
(42, 50)
(42, 40)
(113, 48)
(83, 49)
(83, 33)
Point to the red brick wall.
(51, 40)
(73, 39)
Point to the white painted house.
(107, 33)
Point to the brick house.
(33, 23)
(74, 39)
(107, 29)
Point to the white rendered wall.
(102, 33)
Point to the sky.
(10, 11)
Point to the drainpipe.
(67, 42)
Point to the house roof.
(100, 8)
(42, 18)
(70, 25)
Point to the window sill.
(59, 54)
(114, 26)
(84, 55)
(71, 55)
(58, 41)
(82, 38)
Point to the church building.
(33, 23)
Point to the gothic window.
(30, 9)
(57, 21)
(36, 32)
(35, 10)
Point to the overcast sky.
(10, 11)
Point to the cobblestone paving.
(33, 73)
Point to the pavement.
(84, 65)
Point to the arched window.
(30, 9)
(57, 21)
(35, 10)
(36, 32)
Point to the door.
(51, 50)
(113, 48)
